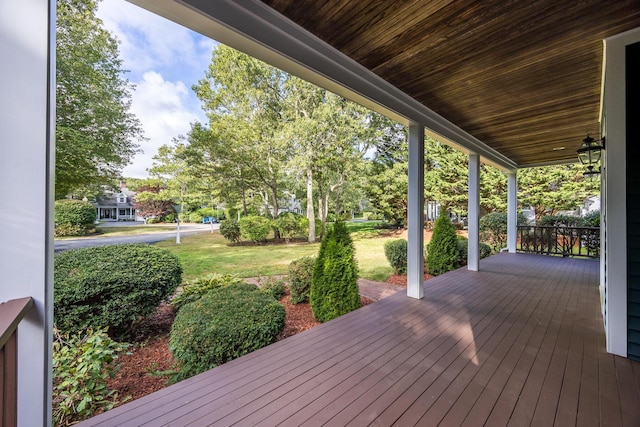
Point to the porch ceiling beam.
(256, 29)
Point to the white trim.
(27, 109)
(256, 29)
(473, 248)
(512, 211)
(615, 204)
(415, 249)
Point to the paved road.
(153, 237)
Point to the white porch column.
(473, 208)
(27, 108)
(415, 255)
(512, 211)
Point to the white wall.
(26, 174)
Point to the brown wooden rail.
(11, 313)
(559, 240)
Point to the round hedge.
(73, 217)
(396, 253)
(300, 274)
(111, 286)
(224, 324)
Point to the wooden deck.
(519, 343)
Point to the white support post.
(473, 250)
(415, 256)
(512, 211)
(27, 108)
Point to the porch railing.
(11, 313)
(559, 240)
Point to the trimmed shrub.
(82, 364)
(224, 324)
(442, 255)
(288, 225)
(300, 274)
(273, 287)
(562, 220)
(255, 228)
(592, 219)
(230, 230)
(334, 285)
(111, 286)
(193, 291)
(463, 249)
(396, 253)
(73, 217)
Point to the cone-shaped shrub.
(334, 286)
(442, 253)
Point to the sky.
(163, 60)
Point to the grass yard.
(135, 229)
(206, 253)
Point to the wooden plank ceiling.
(524, 77)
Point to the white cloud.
(160, 106)
(148, 41)
(164, 60)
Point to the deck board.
(520, 342)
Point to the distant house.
(119, 206)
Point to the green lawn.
(135, 229)
(210, 253)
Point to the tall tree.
(242, 99)
(550, 189)
(96, 134)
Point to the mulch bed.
(147, 366)
(399, 280)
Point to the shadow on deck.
(520, 342)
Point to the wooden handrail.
(11, 313)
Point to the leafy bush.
(273, 287)
(592, 219)
(204, 212)
(195, 217)
(193, 291)
(463, 250)
(255, 228)
(288, 225)
(81, 366)
(334, 286)
(396, 253)
(300, 274)
(442, 253)
(561, 220)
(111, 286)
(493, 229)
(73, 218)
(230, 230)
(224, 324)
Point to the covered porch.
(519, 342)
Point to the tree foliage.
(152, 202)
(551, 189)
(96, 134)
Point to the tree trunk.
(244, 198)
(310, 213)
(274, 197)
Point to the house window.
(122, 199)
(123, 212)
